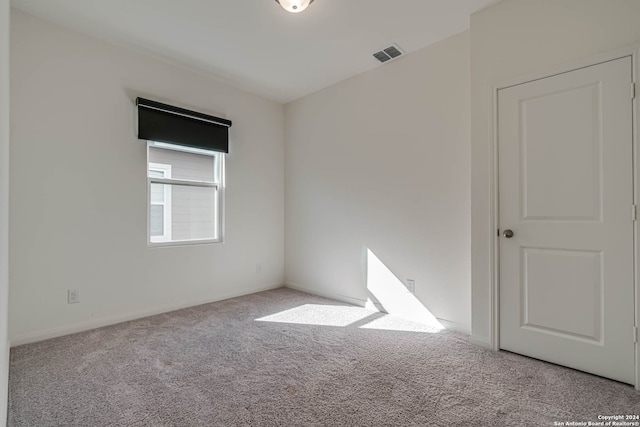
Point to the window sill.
(183, 243)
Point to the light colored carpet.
(270, 359)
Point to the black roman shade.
(166, 123)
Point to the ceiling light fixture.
(294, 6)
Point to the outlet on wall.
(73, 296)
(258, 268)
(411, 285)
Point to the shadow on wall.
(390, 307)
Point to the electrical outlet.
(73, 296)
(258, 268)
(411, 285)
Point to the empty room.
(319, 213)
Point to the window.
(185, 194)
(185, 172)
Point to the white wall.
(78, 187)
(381, 161)
(516, 38)
(4, 207)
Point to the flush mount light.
(294, 6)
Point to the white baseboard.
(480, 341)
(330, 295)
(455, 326)
(59, 331)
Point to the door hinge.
(634, 212)
(635, 334)
(633, 90)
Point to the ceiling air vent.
(389, 53)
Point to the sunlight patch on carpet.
(321, 315)
(346, 316)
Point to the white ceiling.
(258, 46)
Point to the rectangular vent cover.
(388, 53)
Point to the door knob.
(508, 233)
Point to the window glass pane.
(156, 220)
(183, 212)
(193, 212)
(187, 166)
(157, 193)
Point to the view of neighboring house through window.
(160, 204)
(185, 186)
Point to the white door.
(566, 193)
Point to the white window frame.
(166, 204)
(219, 173)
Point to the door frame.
(634, 52)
